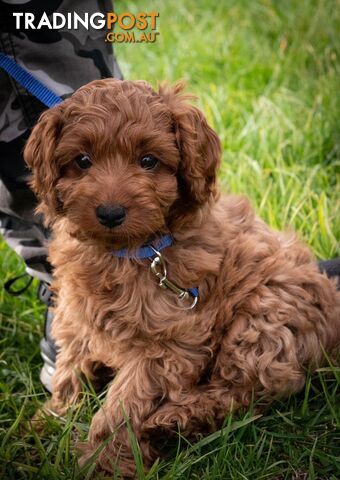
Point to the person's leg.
(63, 60)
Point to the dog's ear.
(39, 154)
(198, 144)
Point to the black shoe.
(331, 268)
(47, 344)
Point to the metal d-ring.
(158, 268)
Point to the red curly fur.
(264, 311)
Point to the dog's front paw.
(106, 458)
(40, 421)
(169, 418)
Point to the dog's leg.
(202, 411)
(255, 360)
(66, 388)
(130, 399)
(133, 396)
(73, 365)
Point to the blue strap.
(193, 292)
(145, 251)
(26, 79)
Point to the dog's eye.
(83, 162)
(148, 162)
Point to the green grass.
(266, 74)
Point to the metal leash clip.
(158, 267)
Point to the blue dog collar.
(152, 252)
(146, 251)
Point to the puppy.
(120, 169)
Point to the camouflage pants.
(63, 60)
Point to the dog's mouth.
(115, 226)
(103, 235)
(114, 238)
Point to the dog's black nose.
(111, 216)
